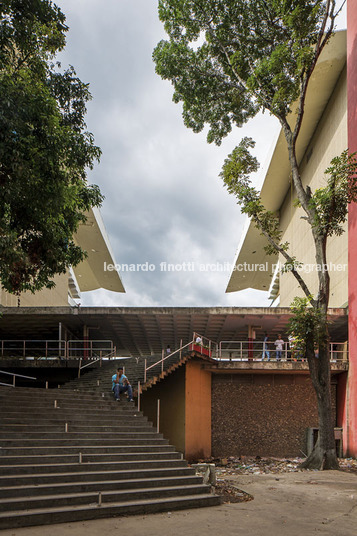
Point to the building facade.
(349, 416)
(323, 136)
(330, 126)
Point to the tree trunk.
(323, 455)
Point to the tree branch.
(288, 258)
(321, 42)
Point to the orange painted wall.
(350, 416)
(197, 412)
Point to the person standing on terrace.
(279, 346)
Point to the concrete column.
(85, 344)
(350, 413)
(251, 338)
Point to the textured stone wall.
(262, 415)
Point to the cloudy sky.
(164, 201)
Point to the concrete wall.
(185, 409)
(171, 393)
(329, 140)
(197, 412)
(263, 414)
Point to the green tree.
(45, 150)
(228, 60)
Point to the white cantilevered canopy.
(277, 177)
(91, 273)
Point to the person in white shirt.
(279, 347)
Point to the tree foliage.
(45, 150)
(224, 57)
(228, 60)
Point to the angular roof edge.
(276, 181)
(99, 269)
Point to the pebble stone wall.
(262, 415)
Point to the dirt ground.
(289, 504)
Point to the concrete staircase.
(73, 455)
(168, 369)
(97, 378)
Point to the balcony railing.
(56, 349)
(257, 350)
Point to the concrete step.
(97, 435)
(77, 405)
(76, 467)
(105, 374)
(116, 415)
(74, 427)
(118, 409)
(82, 401)
(99, 457)
(87, 386)
(36, 394)
(63, 488)
(70, 499)
(67, 442)
(57, 417)
(123, 474)
(64, 514)
(104, 448)
(60, 394)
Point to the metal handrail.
(206, 343)
(179, 350)
(248, 350)
(169, 355)
(107, 356)
(54, 348)
(88, 347)
(31, 347)
(14, 378)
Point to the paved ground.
(285, 504)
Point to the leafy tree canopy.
(45, 150)
(224, 57)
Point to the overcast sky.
(164, 200)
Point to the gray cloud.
(164, 200)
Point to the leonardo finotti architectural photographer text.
(193, 266)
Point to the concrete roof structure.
(91, 274)
(142, 331)
(277, 178)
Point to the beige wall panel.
(329, 140)
(44, 298)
